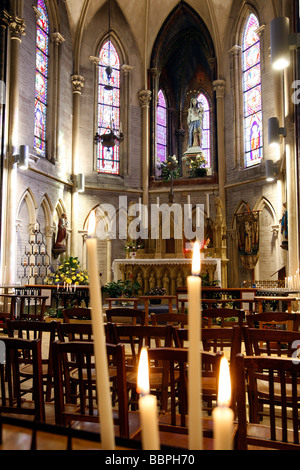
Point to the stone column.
(235, 53)
(145, 97)
(78, 84)
(17, 29)
(219, 88)
(57, 40)
(124, 118)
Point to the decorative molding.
(77, 83)
(37, 12)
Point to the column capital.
(94, 59)
(57, 38)
(235, 50)
(77, 83)
(126, 69)
(17, 27)
(145, 98)
(219, 88)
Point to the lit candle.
(223, 415)
(102, 378)
(194, 324)
(147, 406)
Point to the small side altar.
(169, 273)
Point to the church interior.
(169, 122)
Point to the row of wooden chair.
(253, 337)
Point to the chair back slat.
(81, 376)
(281, 381)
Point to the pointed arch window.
(41, 79)
(251, 68)
(161, 127)
(108, 108)
(206, 129)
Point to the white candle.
(223, 415)
(147, 406)
(194, 380)
(102, 377)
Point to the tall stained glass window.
(253, 133)
(41, 79)
(206, 146)
(161, 127)
(108, 160)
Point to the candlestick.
(194, 324)
(223, 415)
(102, 377)
(147, 406)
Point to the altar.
(169, 273)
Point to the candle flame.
(92, 224)
(143, 385)
(224, 392)
(196, 263)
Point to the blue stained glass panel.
(108, 108)
(161, 127)
(253, 134)
(206, 129)
(41, 79)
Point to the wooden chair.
(173, 417)
(70, 408)
(223, 317)
(271, 343)
(223, 340)
(175, 319)
(46, 333)
(135, 338)
(125, 315)
(76, 313)
(75, 331)
(283, 395)
(13, 400)
(274, 320)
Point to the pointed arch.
(31, 204)
(48, 210)
(161, 126)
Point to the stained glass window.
(206, 146)
(108, 158)
(253, 133)
(41, 79)
(161, 127)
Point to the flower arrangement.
(170, 169)
(156, 291)
(196, 167)
(69, 272)
(131, 247)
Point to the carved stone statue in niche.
(195, 123)
(152, 281)
(60, 244)
(166, 282)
